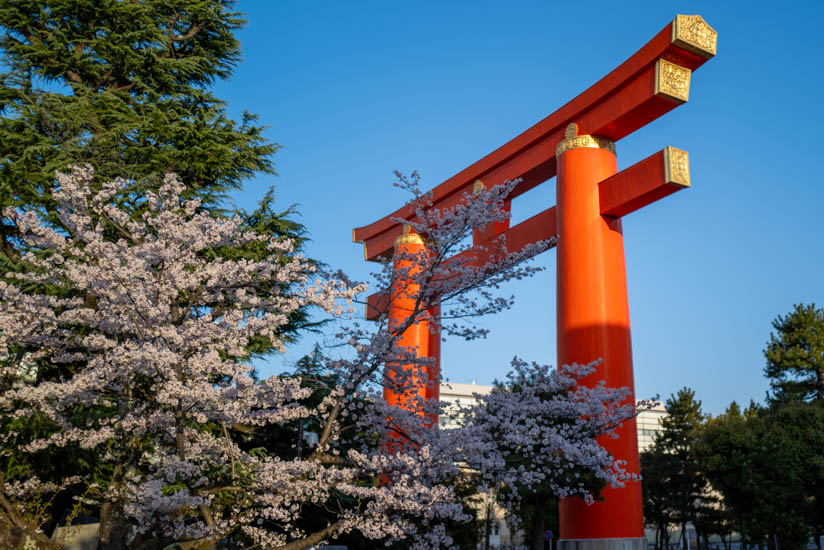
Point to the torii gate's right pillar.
(593, 323)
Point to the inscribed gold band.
(592, 142)
(410, 238)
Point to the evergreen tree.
(766, 464)
(795, 355)
(656, 468)
(674, 446)
(123, 87)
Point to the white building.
(458, 395)
(648, 423)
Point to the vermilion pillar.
(593, 323)
(423, 337)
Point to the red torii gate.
(577, 143)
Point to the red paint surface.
(635, 187)
(421, 336)
(593, 323)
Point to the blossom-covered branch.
(153, 327)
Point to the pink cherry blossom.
(156, 329)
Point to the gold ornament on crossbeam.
(677, 167)
(693, 34)
(672, 81)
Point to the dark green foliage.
(795, 355)
(675, 489)
(767, 465)
(656, 468)
(122, 86)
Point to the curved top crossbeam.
(649, 84)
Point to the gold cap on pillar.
(408, 237)
(574, 141)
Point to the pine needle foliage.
(795, 356)
(123, 86)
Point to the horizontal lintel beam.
(643, 183)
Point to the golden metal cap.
(409, 238)
(574, 141)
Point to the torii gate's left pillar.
(423, 337)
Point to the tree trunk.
(538, 527)
(487, 522)
(18, 538)
(114, 529)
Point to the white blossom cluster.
(154, 328)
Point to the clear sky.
(354, 90)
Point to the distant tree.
(124, 87)
(673, 458)
(714, 519)
(795, 355)
(656, 468)
(766, 464)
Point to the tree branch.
(314, 538)
(195, 29)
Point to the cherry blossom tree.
(155, 326)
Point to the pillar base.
(639, 543)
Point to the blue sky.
(355, 90)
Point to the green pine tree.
(795, 355)
(674, 446)
(766, 465)
(656, 468)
